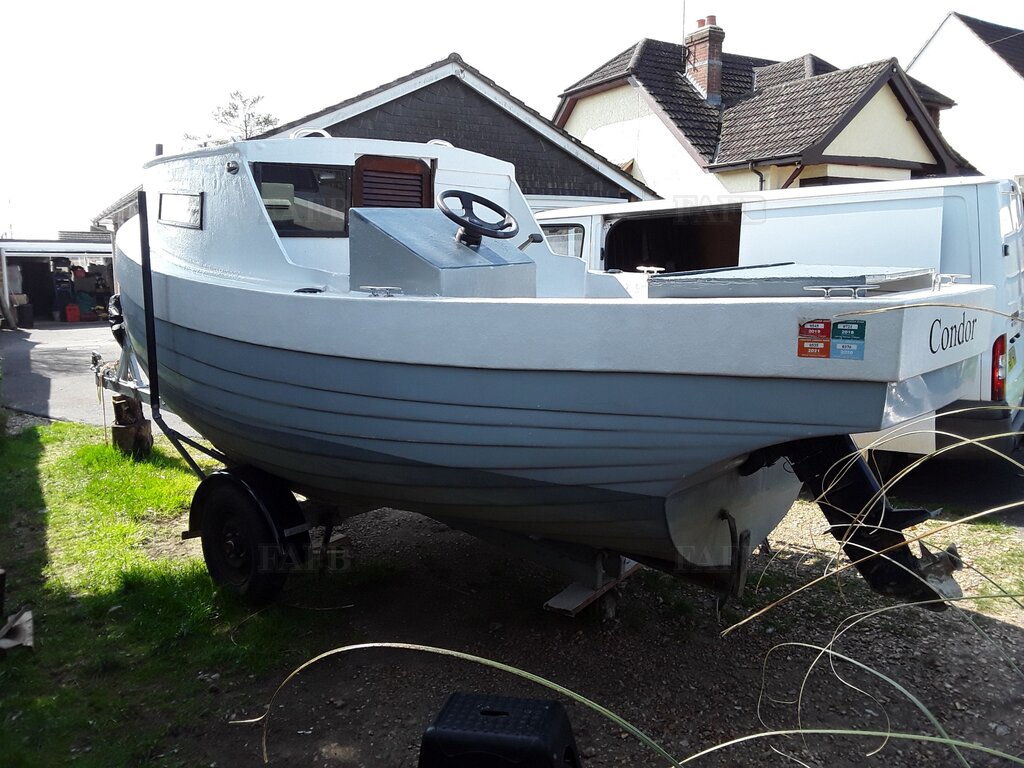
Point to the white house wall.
(985, 125)
(776, 175)
(619, 124)
(881, 129)
(865, 172)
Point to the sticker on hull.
(837, 340)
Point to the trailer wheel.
(241, 553)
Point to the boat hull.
(604, 458)
(581, 457)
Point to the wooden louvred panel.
(392, 182)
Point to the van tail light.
(999, 368)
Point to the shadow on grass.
(122, 639)
(965, 487)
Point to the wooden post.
(132, 432)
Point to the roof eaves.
(672, 126)
(562, 133)
(585, 82)
(126, 199)
(453, 58)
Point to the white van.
(968, 227)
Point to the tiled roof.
(785, 119)
(614, 69)
(929, 95)
(756, 121)
(738, 74)
(658, 67)
(1006, 42)
(810, 65)
(795, 69)
(75, 236)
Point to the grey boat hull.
(589, 458)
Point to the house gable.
(542, 168)
(777, 120)
(451, 101)
(989, 93)
(882, 129)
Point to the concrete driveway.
(46, 371)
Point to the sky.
(87, 89)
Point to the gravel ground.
(661, 663)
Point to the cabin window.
(181, 210)
(565, 239)
(305, 200)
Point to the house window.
(565, 239)
(305, 200)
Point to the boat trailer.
(254, 530)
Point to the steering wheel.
(472, 227)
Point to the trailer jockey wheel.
(240, 550)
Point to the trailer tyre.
(241, 553)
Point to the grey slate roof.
(785, 119)
(489, 143)
(1006, 42)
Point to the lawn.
(123, 632)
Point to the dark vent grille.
(390, 189)
(392, 182)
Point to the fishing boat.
(381, 324)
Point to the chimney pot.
(704, 58)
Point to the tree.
(240, 118)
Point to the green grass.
(121, 634)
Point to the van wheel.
(238, 546)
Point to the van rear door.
(1011, 225)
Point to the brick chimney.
(704, 58)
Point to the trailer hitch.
(868, 527)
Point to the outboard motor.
(868, 527)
